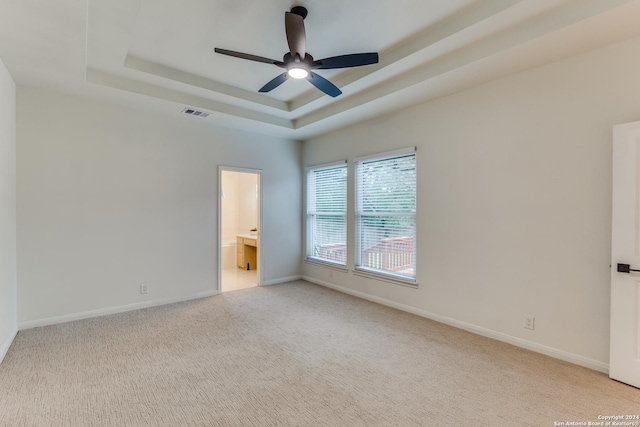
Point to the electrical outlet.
(529, 322)
(143, 288)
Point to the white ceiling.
(158, 54)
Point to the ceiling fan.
(298, 63)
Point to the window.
(385, 214)
(327, 213)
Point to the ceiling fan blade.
(324, 85)
(247, 56)
(346, 61)
(296, 37)
(274, 83)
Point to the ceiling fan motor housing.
(299, 10)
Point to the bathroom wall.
(239, 204)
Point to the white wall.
(8, 319)
(230, 206)
(514, 201)
(239, 206)
(110, 198)
(248, 209)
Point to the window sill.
(396, 280)
(328, 264)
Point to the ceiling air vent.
(194, 112)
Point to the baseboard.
(107, 311)
(499, 336)
(130, 307)
(7, 344)
(281, 280)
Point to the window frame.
(309, 257)
(360, 269)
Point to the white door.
(624, 360)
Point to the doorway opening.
(239, 226)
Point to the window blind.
(327, 214)
(386, 214)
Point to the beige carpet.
(291, 354)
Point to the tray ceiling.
(158, 54)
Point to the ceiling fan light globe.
(298, 73)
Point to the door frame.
(260, 221)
